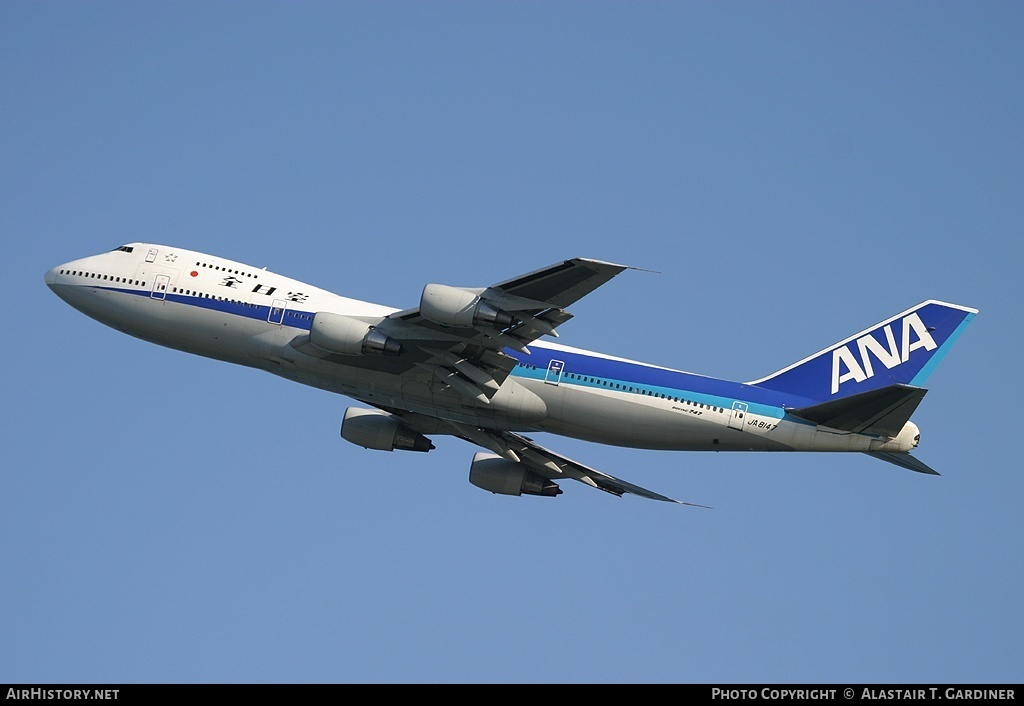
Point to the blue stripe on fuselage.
(295, 318)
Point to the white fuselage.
(233, 312)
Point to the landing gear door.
(739, 414)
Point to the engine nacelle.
(374, 429)
(335, 333)
(451, 306)
(499, 475)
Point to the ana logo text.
(856, 365)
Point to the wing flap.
(554, 466)
(538, 459)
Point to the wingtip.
(706, 507)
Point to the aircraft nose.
(51, 277)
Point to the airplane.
(469, 362)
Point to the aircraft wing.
(535, 302)
(524, 450)
(554, 466)
(456, 337)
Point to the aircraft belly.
(110, 307)
(624, 419)
(199, 331)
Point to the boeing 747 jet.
(476, 363)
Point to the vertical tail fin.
(902, 350)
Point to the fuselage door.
(160, 287)
(276, 315)
(739, 414)
(553, 376)
(151, 255)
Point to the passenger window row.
(105, 278)
(641, 390)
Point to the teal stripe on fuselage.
(591, 371)
(660, 392)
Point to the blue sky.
(794, 172)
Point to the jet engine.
(335, 333)
(374, 429)
(451, 306)
(505, 477)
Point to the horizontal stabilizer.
(884, 411)
(904, 460)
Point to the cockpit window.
(124, 248)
